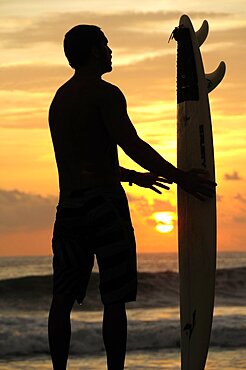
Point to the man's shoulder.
(60, 91)
(110, 91)
(66, 86)
(107, 86)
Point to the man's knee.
(62, 302)
(115, 308)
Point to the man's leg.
(115, 335)
(59, 329)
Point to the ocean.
(153, 321)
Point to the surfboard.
(196, 219)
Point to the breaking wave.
(159, 289)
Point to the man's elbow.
(131, 145)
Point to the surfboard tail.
(187, 80)
(187, 87)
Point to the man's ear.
(95, 52)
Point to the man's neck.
(88, 72)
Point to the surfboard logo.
(188, 328)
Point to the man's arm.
(122, 131)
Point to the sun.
(165, 221)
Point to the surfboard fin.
(213, 79)
(202, 33)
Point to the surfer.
(88, 119)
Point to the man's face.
(105, 56)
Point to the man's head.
(84, 43)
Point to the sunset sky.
(33, 66)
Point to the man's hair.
(78, 43)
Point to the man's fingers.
(159, 178)
(200, 171)
(156, 190)
(209, 182)
(207, 187)
(207, 192)
(162, 179)
(161, 185)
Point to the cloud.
(24, 83)
(133, 28)
(32, 77)
(146, 209)
(240, 198)
(27, 212)
(241, 219)
(44, 77)
(145, 81)
(21, 211)
(232, 176)
(219, 198)
(143, 212)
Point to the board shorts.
(97, 222)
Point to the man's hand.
(197, 183)
(150, 180)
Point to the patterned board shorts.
(99, 225)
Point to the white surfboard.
(196, 219)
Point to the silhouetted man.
(88, 119)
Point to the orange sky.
(33, 67)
